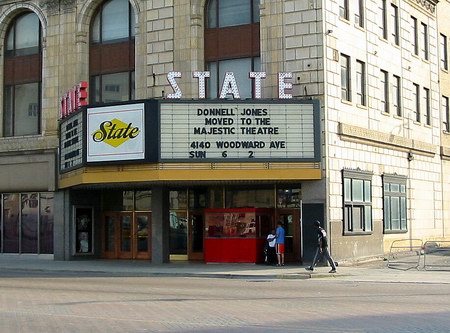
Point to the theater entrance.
(126, 235)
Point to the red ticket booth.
(237, 234)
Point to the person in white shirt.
(271, 240)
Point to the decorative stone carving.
(53, 7)
(429, 5)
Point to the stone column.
(61, 225)
(160, 225)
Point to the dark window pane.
(115, 87)
(115, 20)
(256, 11)
(46, 223)
(212, 14)
(367, 218)
(29, 223)
(357, 218)
(26, 115)
(8, 118)
(143, 200)
(395, 213)
(387, 213)
(27, 34)
(11, 223)
(357, 189)
(234, 12)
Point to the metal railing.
(436, 255)
(405, 254)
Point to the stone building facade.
(374, 66)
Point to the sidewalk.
(372, 271)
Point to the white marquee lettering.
(282, 85)
(201, 76)
(257, 76)
(173, 83)
(229, 86)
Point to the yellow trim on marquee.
(191, 172)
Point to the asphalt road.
(66, 302)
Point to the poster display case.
(236, 234)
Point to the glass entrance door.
(196, 227)
(290, 219)
(178, 235)
(126, 235)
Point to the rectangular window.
(395, 25)
(384, 30)
(416, 101)
(445, 110)
(394, 207)
(443, 53)
(415, 36)
(384, 95)
(396, 95)
(427, 105)
(345, 78)
(360, 83)
(424, 35)
(359, 13)
(357, 202)
(343, 9)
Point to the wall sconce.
(410, 157)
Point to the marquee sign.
(239, 131)
(71, 142)
(116, 133)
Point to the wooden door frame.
(118, 254)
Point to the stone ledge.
(386, 140)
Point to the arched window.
(232, 43)
(22, 77)
(111, 62)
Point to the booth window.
(357, 202)
(232, 43)
(22, 77)
(112, 78)
(394, 193)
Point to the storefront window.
(29, 222)
(178, 199)
(288, 198)
(11, 223)
(260, 198)
(46, 223)
(143, 200)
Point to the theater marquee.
(239, 131)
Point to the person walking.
(279, 244)
(322, 249)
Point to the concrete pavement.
(374, 271)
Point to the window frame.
(346, 92)
(415, 33)
(384, 20)
(416, 100)
(424, 45)
(397, 98)
(427, 105)
(361, 85)
(30, 57)
(352, 207)
(384, 82)
(443, 51)
(445, 106)
(395, 33)
(388, 194)
(359, 14)
(344, 10)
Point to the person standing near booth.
(280, 244)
